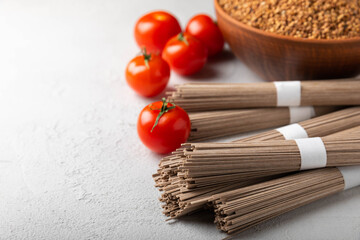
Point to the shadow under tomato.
(224, 56)
(160, 95)
(211, 69)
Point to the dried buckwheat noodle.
(179, 200)
(240, 209)
(316, 127)
(221, 96)
(211, 164)
(215, 124)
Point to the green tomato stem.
(164, 109)
(182, 38)
(147, 57)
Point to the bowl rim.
(223, 14)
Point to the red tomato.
(147, 74)
(205, 29)
(154, 29)
(185, 54)
(163, 127)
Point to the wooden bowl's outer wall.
(275, 57)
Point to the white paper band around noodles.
(298, 114)
(288, 93)
(293, 131)
(351, 176)
(312, 152)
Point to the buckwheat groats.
(314, 19)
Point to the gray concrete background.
(71, 164)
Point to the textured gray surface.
(71, 164)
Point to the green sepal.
(182, 38)
(164, 109)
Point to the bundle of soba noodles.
(185, 192)
(213, 164)
(240, 209)
(215, 124)
(220, 96)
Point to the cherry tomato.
(185, 54)
(205, 29)
(163, 127)
(147, 74)
(154, 29)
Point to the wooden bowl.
(275, 57)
